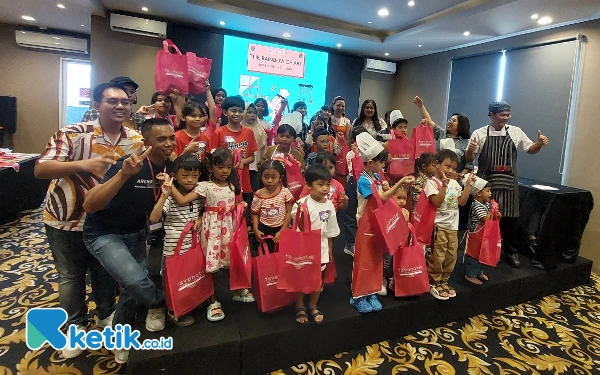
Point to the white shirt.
(517, 135)
(446, 215)
(322, 216)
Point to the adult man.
(76, 158)
(497, 146)
(128, 85)
(116, 226)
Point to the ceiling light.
(534, 16)
(339, 45)
(222, 23)
(145, 9)
(387, 54)
(82, 25)
(56, 37)
(411, 3)
(61, 6)
(545, 20)
(287, 35)
(56, 43)
(467, 33)
(369, 22)
(383, 12)
(420, 45)
(22, 32)
(28, 18)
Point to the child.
(186, 172)
(316, 123)
(272, 204)
(233, 136)
(323, 142)
(219, 96)
(424, 170)
(217, 221)
(262, 111)
(480, 213)
(190, 139)
(445, 194)
(367, 269)
(284, 140)
(401, 197)
(322, 217)
(336, 195)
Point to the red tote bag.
(171, 70)
(330, 272)
(240, 267)
(423, 138)
(358, 166)
(491, 243)
(295, 178)
(264, 269)
(299, 257)
(402, 151)
(198, 72)
(341, 165)
(424, 218)
(187, 284)
(391, 222)
(410, 271)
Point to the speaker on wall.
(8, 114)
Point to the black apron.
(498, 165)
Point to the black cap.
(122, 81)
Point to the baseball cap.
(122, 81)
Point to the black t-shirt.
(127, 211)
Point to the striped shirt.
(177, 216)
(271, 210)
(81, 141)
(478, 211)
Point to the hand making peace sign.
(134, 163)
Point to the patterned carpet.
(559, 334)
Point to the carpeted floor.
(559, 334)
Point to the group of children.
(213, 173)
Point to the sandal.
(439, 292)
(301, 315)
(246, 296)
(315, 313)
(450, 290)
(214, 313)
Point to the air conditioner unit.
(51, 42)
(378, 66)
(139, 26)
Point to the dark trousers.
(268, 231)
(509, 229)
(350, 224)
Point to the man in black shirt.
(116, 225)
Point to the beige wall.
(33, 78)
(428, 77)
(118, 54)
(379, 87)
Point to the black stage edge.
(250, 342)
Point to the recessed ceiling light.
(287, 35)
(222, 23)
(411, 3)
(22, 32)
(56, 43)
(339, 45)
(467, 33)
(56, 37)
(145, 9)
(545, 20)
(369, 22)
(383, 12)
(420, 45)
(28, 18)
(387, 54)
(61, 6)
(534, 16)
(82, 25)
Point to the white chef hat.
(368, 147)
(395, 115)
(478, 185)
(293, 119)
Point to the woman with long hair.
(369, 118)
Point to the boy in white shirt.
(445, 194)
(322, 216)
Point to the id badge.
(154, 227)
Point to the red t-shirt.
(244, 139)
(182, 140)
(336, 193)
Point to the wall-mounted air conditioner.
(378, 66)
(51, 42)
(139, 26)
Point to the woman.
(369, 118)
(455, 137)
(341, 127)
(251, 121)
(262, 110)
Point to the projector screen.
(255, 69)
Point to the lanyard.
(155, 191)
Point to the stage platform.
(250, 342)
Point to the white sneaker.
(106, 322)
(121, 355)
(72, 353)
(155, 320)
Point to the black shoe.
(513, 260)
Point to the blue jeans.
(72, 261)
(124, 257)
(472, 267)
(350, 224)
